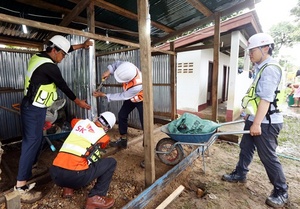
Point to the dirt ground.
(128, 180)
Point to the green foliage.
(281, 37)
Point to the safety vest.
(83, 141)
(251, 100)
(46, 94)
(137, 80)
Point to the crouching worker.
(79, 162)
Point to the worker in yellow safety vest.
(41, 82)
(264, 120)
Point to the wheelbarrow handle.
(232, 122)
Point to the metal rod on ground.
(171, 197)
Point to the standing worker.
(263, 120)
(41, 81)
(79, 161)
(131, 78)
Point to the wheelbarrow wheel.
(170, 157)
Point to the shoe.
(142, 164)
(121, 143)
(277, 199)
(234, 177)
(27, 194)
(99, 202)
(67, 192)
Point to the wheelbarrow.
(170, 151)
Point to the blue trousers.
(102, 170)
(266, 145)
(33, 119)
(127, 107)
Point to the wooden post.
(146, 68)
(173, 80)
(215, 73)
(92, 62)
(13, 200)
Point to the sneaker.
(27, 194)
(277, 199)
(121, 143)
(100, 202)
(142, 164)
(234, 177)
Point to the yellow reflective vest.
(46, 94)
(83, 141)
(250, 101)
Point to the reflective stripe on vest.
(250, 101)
(46, 94)
(137, 80)
(83, 136)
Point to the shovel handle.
(101, 84)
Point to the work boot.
(27, 194)
(67, 192)
(234, 177)
(99, 202)
(278, 198)
(121, 143)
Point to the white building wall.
(192, 87)
(188, 84)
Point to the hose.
(288, 157)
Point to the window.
(185, 67)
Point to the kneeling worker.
(79, 162)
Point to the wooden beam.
(200, 7)
(192, 48)
(82, 5)
(121, 11)
(143, 199)
(65, 30)
(171, 197)
(14, 41)
(215, 73)
(146, 66)
(237, 7)
(64, 11)
(173, 79)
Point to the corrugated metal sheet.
(75, 70)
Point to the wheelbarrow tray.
(188, 138)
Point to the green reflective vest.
(46, 94)
(250, 101)
(83, 141)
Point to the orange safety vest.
(137, 80)
(72, 161)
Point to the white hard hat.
(259, 39)
(125, 72)
(61, 42)
(107, 119)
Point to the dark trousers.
(266, 145)
(127, 107)
(33, 119)
(102, 170)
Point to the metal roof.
(116, 19)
